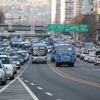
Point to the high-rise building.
(87, 7)
(68, 10)
(63, 11)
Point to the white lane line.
(32, 83)
(86, 69)
(39, 88)
(21, 78)
(29, 91)
(96, 69)
(26, 81)
(8, 85)
(48, 93)
(58, 99)
(1, 90)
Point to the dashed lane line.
(32, 83)
(48, 93)
(39, 88)
(26, 81)
(29, 91)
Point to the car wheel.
(12, 77)
(3, 82)
(57, 64)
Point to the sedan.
(2, 74)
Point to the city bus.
(65, 54)
(39, 53)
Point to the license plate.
(39, 60)
(65, 59)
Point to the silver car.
(2, 74)
(97, 60)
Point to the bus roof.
(39, 44)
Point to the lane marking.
(1, 90)
(26, 81)
(86, 69)
(28, 90)
(39, 88)
(21, 78)
(8, 85)
(73, 78)
(48, 93)
(32, 83)
(96, 69)
(58, 99)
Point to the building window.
(90, 2)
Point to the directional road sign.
(57, 27)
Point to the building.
(87, 7)
(68, 11)
(63, 11)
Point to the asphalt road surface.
(47, 82)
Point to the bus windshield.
(65, 47)
(39, 51)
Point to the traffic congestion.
(28, 59)
(14, 53)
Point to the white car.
(8, 66)
(2, 74)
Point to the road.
(48, 82)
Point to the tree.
(2, 16)
(90, 20)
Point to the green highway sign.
(84, 28)
(57, 27)
(70, 28)
(74, 28)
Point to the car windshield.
(39, 51)
(65, 47)
(5, 60)
(15, 59)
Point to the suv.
(2, 74)
(8, 66)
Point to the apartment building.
(87, 7)
(63, 11)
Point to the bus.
(65, 54)
(39, 53)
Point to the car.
(8, 66)
(97, 60)
(91, 59)
(2, 74)
(16, 61)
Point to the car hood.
(9, 66)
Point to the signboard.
(57, 27)
(70, 28)
(78, 28)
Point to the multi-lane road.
(47, 82)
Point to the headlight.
(59, 54)
(70, 53)
(17, 62)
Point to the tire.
(57, 64)
(32, 62)
(72, 65)
(3, 82)
(12, 77)
(95, 64)
(52, 60)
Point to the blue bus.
(64, 54)
(39, 53)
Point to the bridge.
(40, 30)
